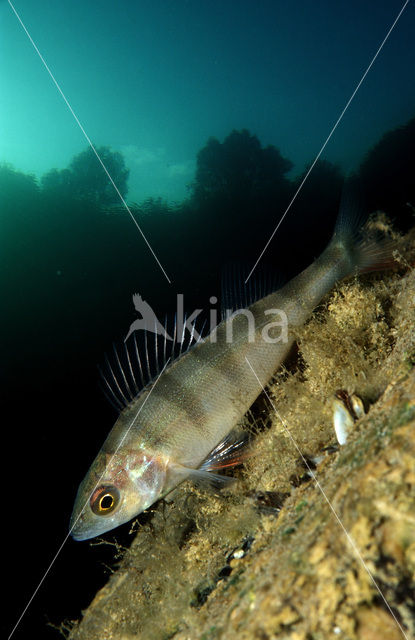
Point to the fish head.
(116, 489)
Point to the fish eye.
(104, 500)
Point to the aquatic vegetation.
(84, 179)
(389, 186)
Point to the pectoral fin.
(207, 479)
(230, 452)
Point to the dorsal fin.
(135, 363)
(235, 294)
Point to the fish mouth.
(78, 531)
(80, 535)
(77, 528)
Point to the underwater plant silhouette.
(387, 173)
(85, 178)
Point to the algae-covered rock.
(303, 547)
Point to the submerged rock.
(313, 542)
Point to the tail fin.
(367, 250)
(375, 255)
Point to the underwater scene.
(207, 240)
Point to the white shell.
(357, 405)
(342, 421)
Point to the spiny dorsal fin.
(135, 363)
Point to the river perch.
(179, 425)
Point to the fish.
(183, 424)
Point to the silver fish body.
(168, 430)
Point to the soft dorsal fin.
(236, 294)
(135, 363)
